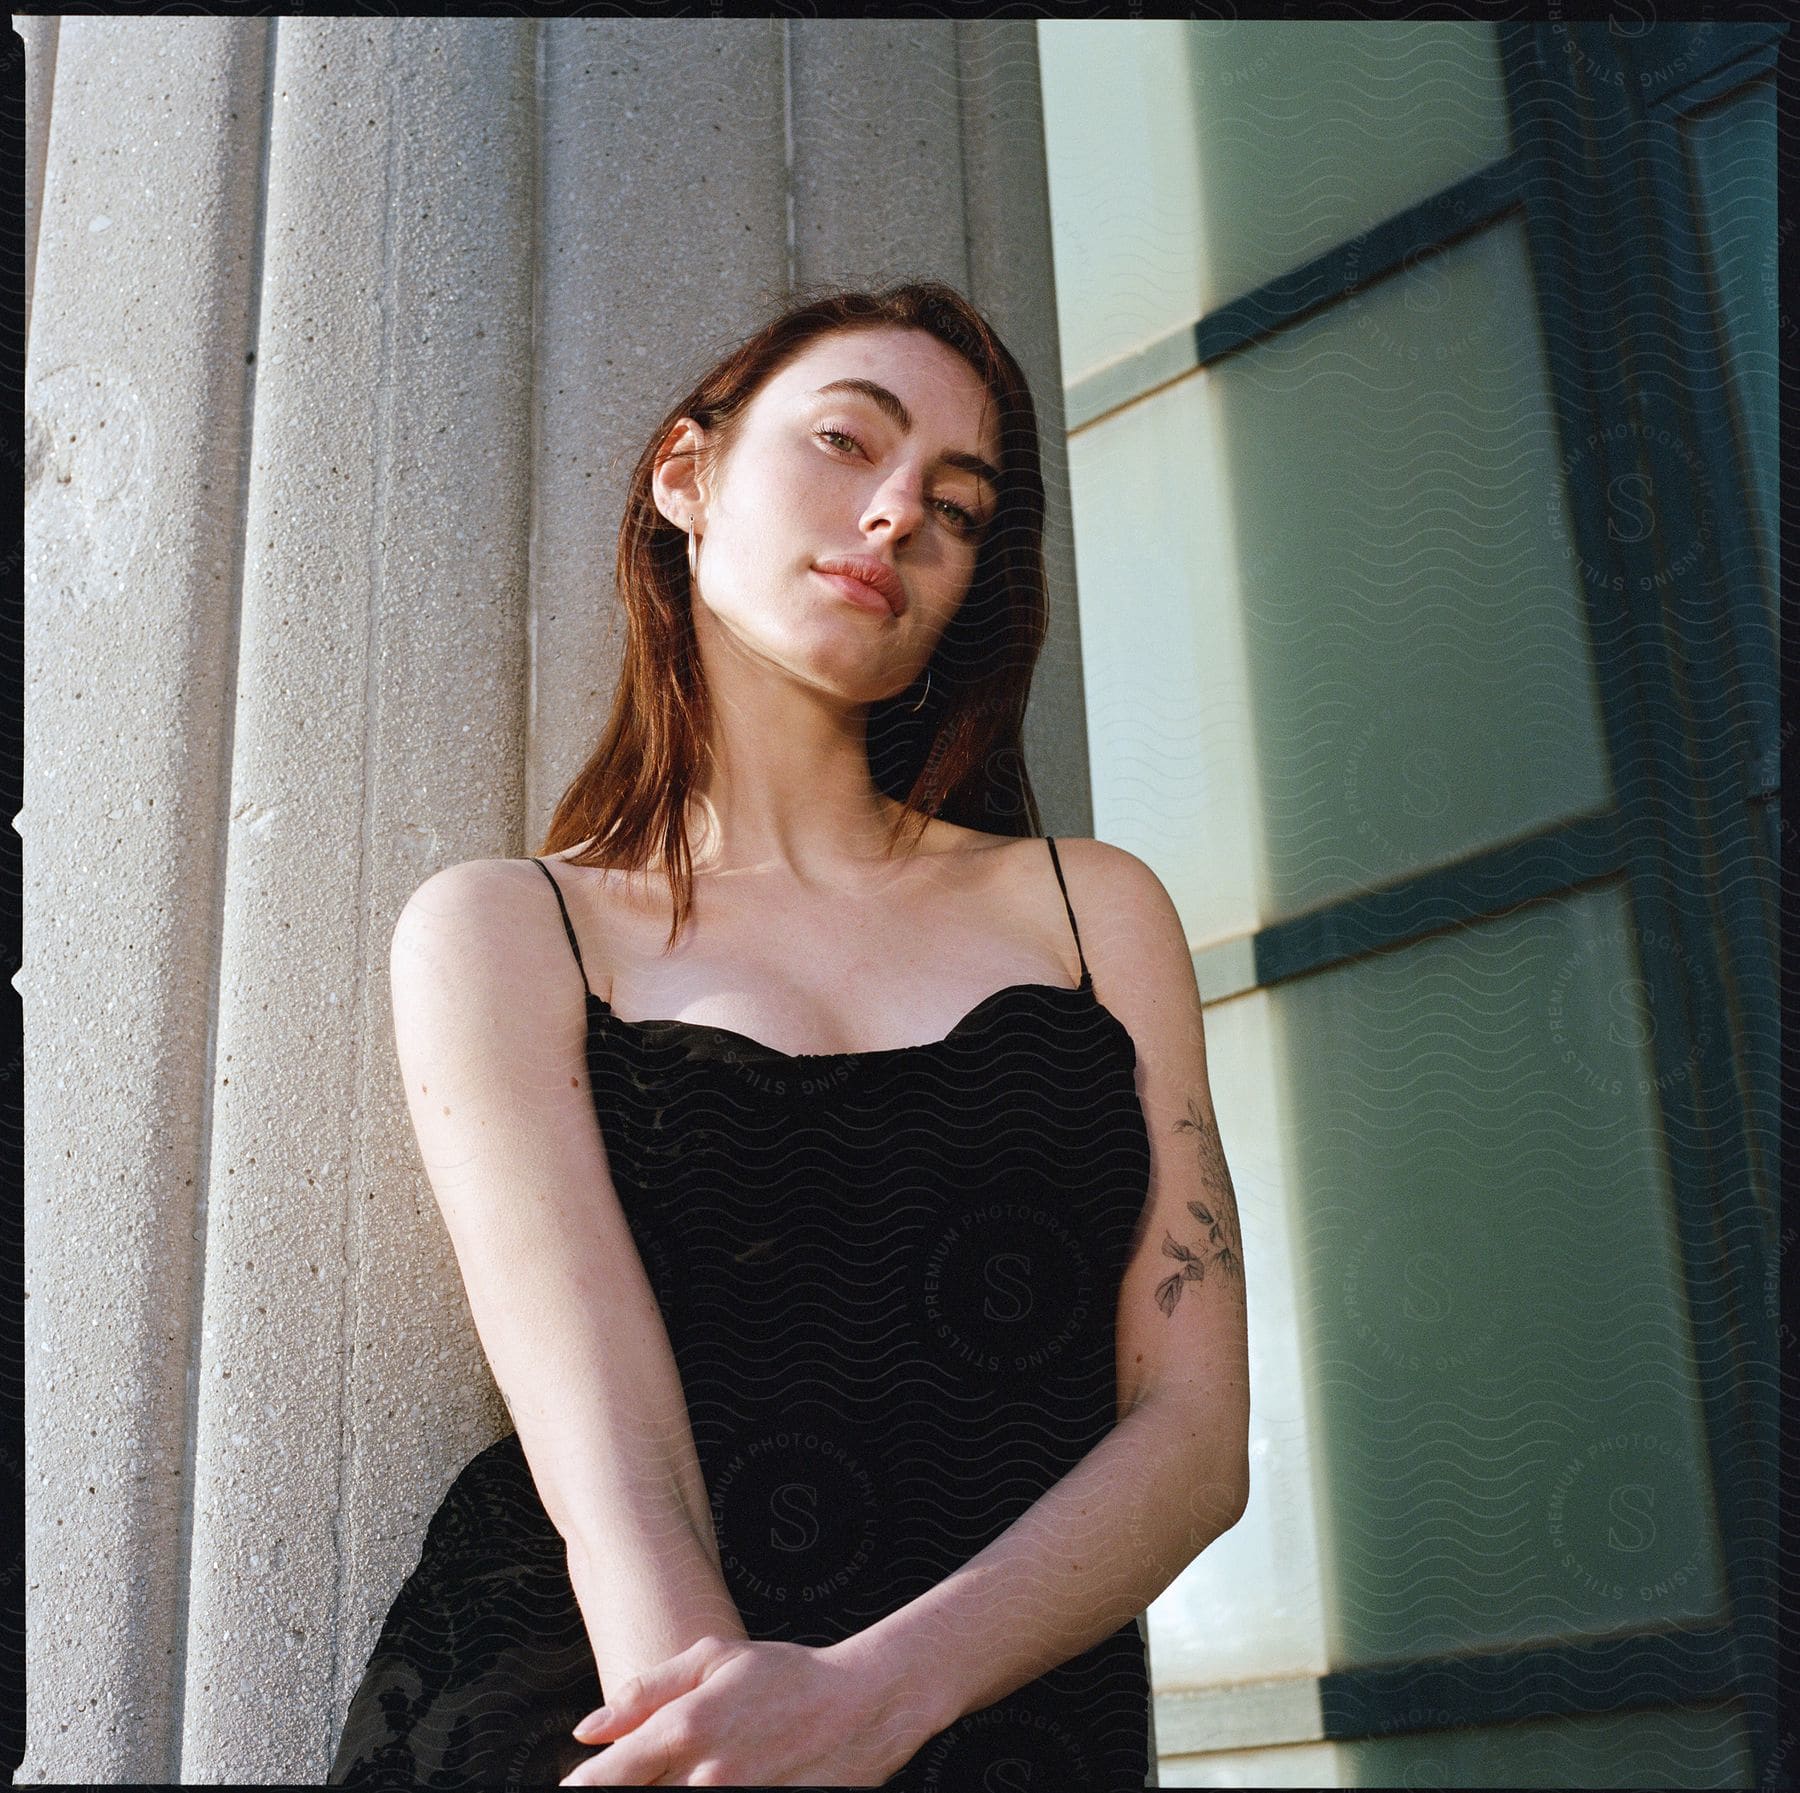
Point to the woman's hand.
(727, 1712)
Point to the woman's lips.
(858, 592)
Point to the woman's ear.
(676, 485)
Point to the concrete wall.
(344, 333)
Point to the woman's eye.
(964, 520)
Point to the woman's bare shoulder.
(499, 915)
(481, 964)
(474, 891)
(493, 880)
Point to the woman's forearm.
(1093, 1551)
(646, 1599)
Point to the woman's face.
(816, 475)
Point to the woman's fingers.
(592, 1729)
(640, 1761)
(636, 1698)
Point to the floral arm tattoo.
(1218, 1214)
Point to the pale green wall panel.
(1699, 1746)
(1416, 640)
(1312, 130)
(1733, 154)
(1162, 652)
(1509, 1433)
(1251, 1606)
(1124, 172)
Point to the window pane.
(1689, 1747)
(1192, 160)
(1415, 633)
(1251, 1606)
(1732, 149)
(1508, 1423)
(1174, 774)
(1311, 130)
(1124, 173)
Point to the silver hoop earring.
(915, 708)
(693, 546)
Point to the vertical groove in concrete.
(645, 276)
(246, 436)
(378, 740)
(133, 441)
(787, 145)
(876, 152)
(373, 523)
(1012, 278)
(534, 448)
(38, 34)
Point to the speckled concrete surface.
(345, 334)
(136, 410)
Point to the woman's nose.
(901, 501)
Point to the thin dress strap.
(568, 926)
(1057, 863)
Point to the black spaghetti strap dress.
(890, 1280)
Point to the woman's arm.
(490, 1028)
(1174, 1474)
(1088, 1555)
(1092, 1552)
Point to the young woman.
(846, 1228)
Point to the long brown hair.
(959, 757)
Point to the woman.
(827, 1217)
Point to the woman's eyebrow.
(890, 403)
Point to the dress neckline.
(650, 1026)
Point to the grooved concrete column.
(379, 737)
(135, 413)
(664, 236)
(454, 272)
